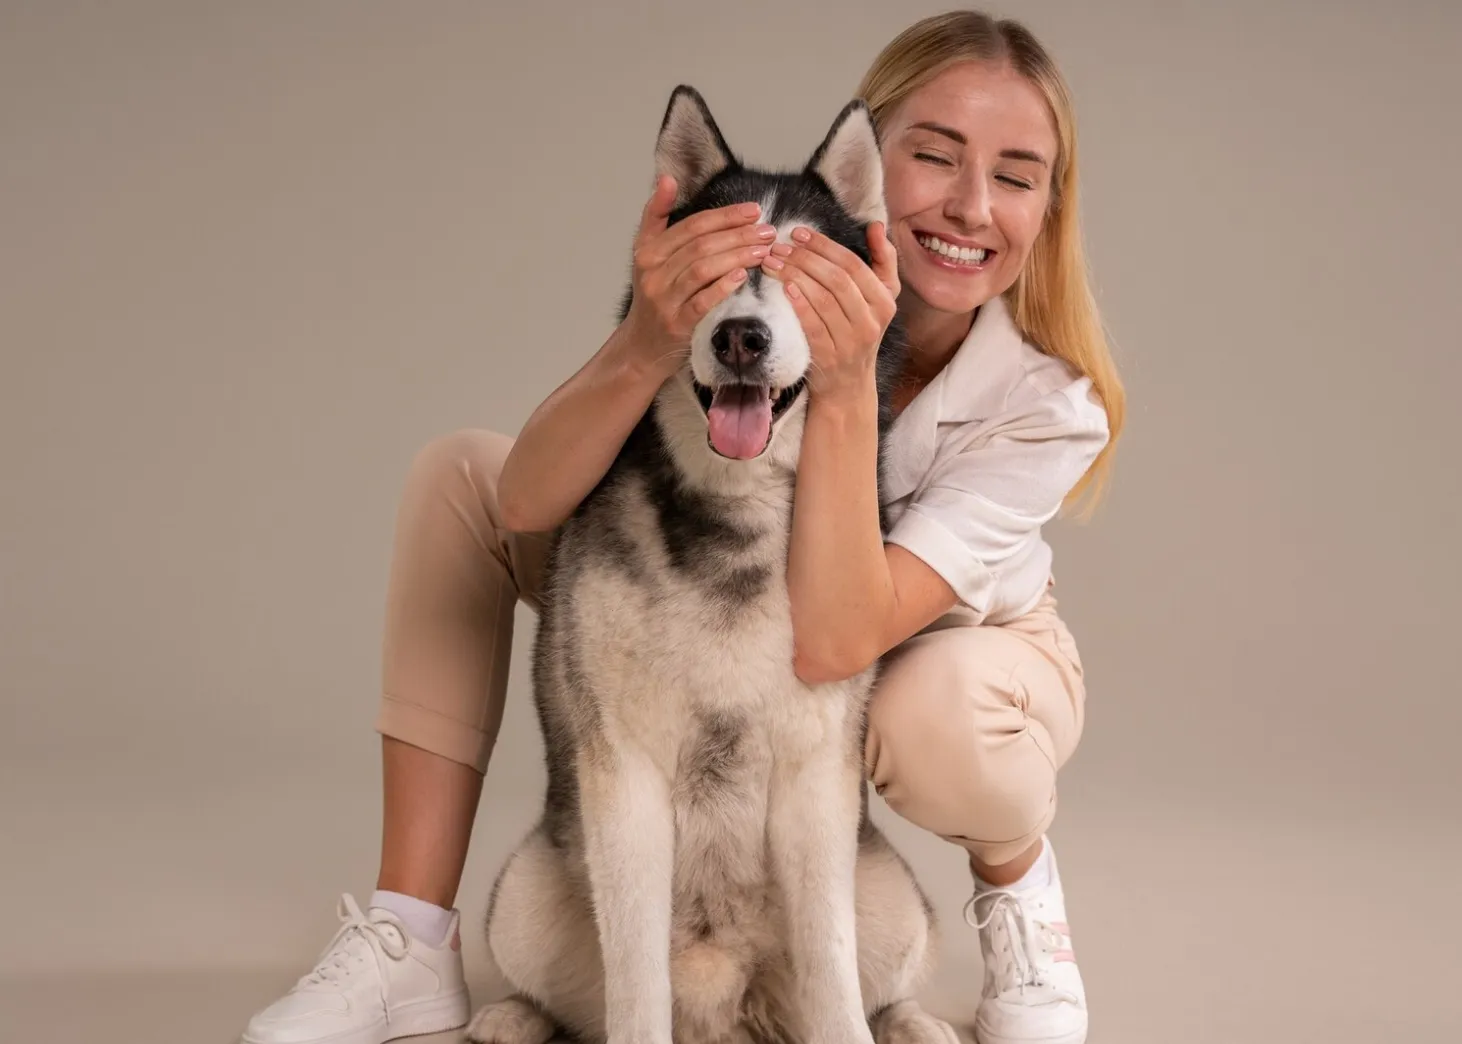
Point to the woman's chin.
(939, 296)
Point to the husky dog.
(705, 870)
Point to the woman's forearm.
(838, 575)
(571, 439)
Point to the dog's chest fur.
(670, 630)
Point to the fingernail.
(759, 251)
(774, 263)
(738, 275)
(782, 249)
(766, 231)
(800, 234)
(750, 209)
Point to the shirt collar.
(949, 397)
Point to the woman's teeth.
(966, 255)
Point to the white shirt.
(983, 457)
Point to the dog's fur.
(705, 870)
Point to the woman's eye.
(1015, 182)
(929, 157)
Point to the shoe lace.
(1022, 939)
(339, 957)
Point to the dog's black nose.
(741, 342)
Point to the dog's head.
(749, 359)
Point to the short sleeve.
(995, 483)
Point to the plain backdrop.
(253, 256)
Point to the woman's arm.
(681, 272)
(852, 598)
(571, 439)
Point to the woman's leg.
(456, 578)
(394, 969)
(967, 730)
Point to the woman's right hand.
(684, 270)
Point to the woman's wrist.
(632, 356)
(846, 398)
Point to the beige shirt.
(982, 458)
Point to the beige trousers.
(967, 726)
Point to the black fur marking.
(700, 540)
(617, 549)
(712, 757)
(694, 531)
(744, 583)
(700, 919)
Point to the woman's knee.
(468, 459)
(952, 745)
(449, 513)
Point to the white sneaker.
(1033, 993)
(373, 983)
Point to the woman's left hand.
(843, 304)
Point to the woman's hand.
(843, 304)
(684, 270)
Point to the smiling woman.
(1007, 411)
(982, 105)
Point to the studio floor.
(1213, 930)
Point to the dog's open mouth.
(740, 416)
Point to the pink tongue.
(741, 420)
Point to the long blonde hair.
(1051, 301)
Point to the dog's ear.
(850, 161)
(690, 147)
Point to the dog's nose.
(741, 342)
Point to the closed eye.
(941, 161)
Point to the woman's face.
(967, 177)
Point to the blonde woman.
(1007, 413)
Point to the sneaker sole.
(1077, 1036)
(416, 1019)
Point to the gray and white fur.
(705, 870)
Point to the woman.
(1008, 411)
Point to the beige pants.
(967, 727)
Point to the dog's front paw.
(907, 1023)
(514, 1020)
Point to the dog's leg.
(629, 839)
(896, 939)
(897, 933)
(814, 846)
(540, 934)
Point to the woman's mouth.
(954, 258)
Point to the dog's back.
(705, 828)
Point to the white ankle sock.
(1038, 876)
(425, 921)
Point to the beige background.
(252, 256)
